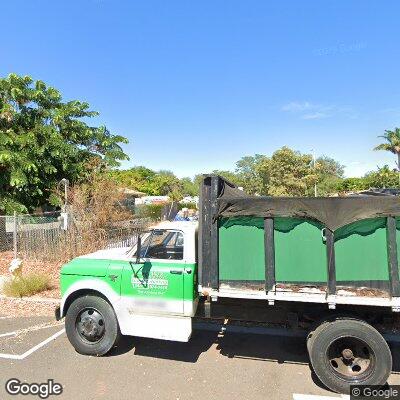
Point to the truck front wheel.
(349, 352)
(91, 325)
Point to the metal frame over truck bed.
(220, 198)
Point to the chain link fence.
(57, 237)
(7, 229)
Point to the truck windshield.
(163, 244)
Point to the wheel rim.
(351, 358)
(90, 325)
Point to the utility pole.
(64, 210)
(65, 183)
(15, 236)
(315, 184)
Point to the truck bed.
(255, 248)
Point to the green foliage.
(161, 183)
(189, 187)
(137, 178)
(329, 175)
(327, 166)
(169, 185)
(382, 178)
(352, 185)
(43, 139)
(229, 175)
(249, 172)
(392, 143)
(287, 173)
(145, 180)
(27, 285)
(152, 211)
(328, 185)
(190, 206)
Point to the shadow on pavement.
(279, 349)
(232, 345)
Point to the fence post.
(15, 240)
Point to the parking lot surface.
(212, 365)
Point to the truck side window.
(163, 244)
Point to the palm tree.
(393, 144)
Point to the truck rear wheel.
(349, 352)
(91, 325)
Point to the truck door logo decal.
(154, 281)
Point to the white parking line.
(29, 329)
(9, 334)
(33, 349)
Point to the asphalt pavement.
(212, 365)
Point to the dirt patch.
(50, 269)
(25, 308)
(297, 288)
(361, 291)
(5, 260)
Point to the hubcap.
(90, 325)
(351, 358)
(347, 354)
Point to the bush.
(190, 206)
(152, 211)
(26, 285)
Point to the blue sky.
(197, 85)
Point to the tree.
(189, 187)
(351, 185)
(330, 174)
(138, 178)
(327, 166)
(383, 177)
(43, 139)
(232, 177)
(392, 144)
(161, 183)
(247, 169)
(287, 173)
(168, 184)
(228, 175)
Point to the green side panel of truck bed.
(361, 252)
(300, 252)
(241, 249)
(398, 241)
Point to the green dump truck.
(327, 266)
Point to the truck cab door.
(155, 285)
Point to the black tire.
(349, 352)
(322, 324)
(92, 326)
(313, 334)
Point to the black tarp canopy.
(333, 212)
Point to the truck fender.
(90, 285)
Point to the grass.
(27, 285)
